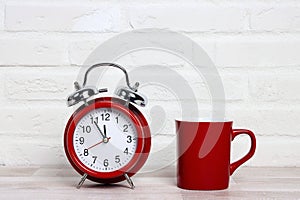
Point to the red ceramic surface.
(212, 171)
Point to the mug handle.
(238, 163)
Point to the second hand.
(98, 143)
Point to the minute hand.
(99, 130)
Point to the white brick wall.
(62, 18)
(283, 18)
(188, 17)
(254, 44)
(258, 50)
(17, 50)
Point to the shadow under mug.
(204, 154)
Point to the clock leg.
(83, 178)
(130, 182)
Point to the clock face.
(105, 139)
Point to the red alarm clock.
(107, 139)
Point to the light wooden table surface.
(59, 183)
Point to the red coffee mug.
(204, 154)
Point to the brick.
(281, 17)
(33, 52)
(270, 151)
(161, 57)
(34, 120)
(170, 83)
(267, 120)
(2, 15)
(148, 57)
(21, 151)
(262, 51)
(55, 17)
(276, 85)
(155, 82)
(208, 44)
(158, 83)
(188, 17)
(39, 83)
(80, 50)
(2, 83)
(235, 86)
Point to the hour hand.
(104, 136)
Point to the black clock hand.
(104, 136)
(104, 130)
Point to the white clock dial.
(105, 139)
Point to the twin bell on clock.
(107, 139)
